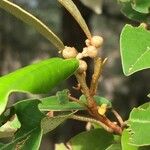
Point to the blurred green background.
(21, 45)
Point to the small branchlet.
(97, 112)
(87, 119)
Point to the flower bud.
(82, 66)
(69, 52)
(96, 41)
(92, 51)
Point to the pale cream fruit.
(96, 41)
(87, 42)
(92, 51)
(79, 56)
(85, 52)
(82, 66)
(69, 52)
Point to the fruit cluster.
(91, 50)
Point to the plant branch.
(76, 100)
(102, 118)
(82, 81)
(119, 118)
(96, 75)
(87, 119)
(92, 106)
(98, 67)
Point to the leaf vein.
(132, 66)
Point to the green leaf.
(139, 124)
(95, 5)
(33, 125)
(53, 103)
(129, 12)
(60, 102)
(62, 96)
(116, 143)
(33, 21)
(125, 141)
(135, 49)
(124, 0)
(60, 146)
(115, 146)
(71, 7)
(144, 148)
(148, 95)
(1, 145)
(99, 100)
(36, 78)
(50, 123)
(30, 133)
(96, 139)
(145, 106)
(142, 6)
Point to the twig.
(82, 81)
(119, 118)
(96, 75)
(73, 99)
(91, 103)
(76, 100)
(98, 67)
(86, 119)
(94, 112)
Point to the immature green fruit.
(92, 51)
(96, 41)
(82, 66)
(69, 52)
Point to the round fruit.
(69, 52)
(87, 42)
(96, 41)
(92, 51)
